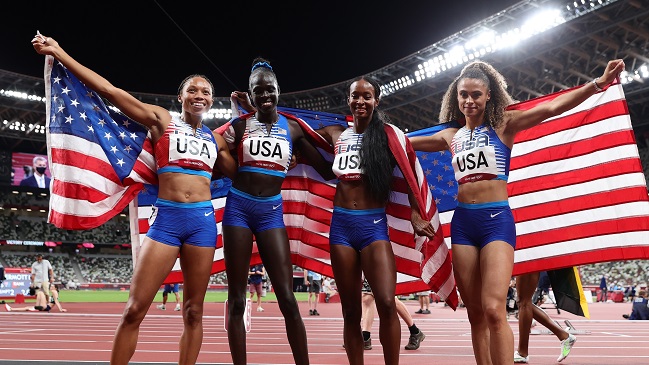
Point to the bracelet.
(597, 88)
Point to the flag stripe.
(93, 151)
(576, 186)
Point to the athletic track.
(84, 336)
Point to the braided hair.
(376, 160)
(496, 85)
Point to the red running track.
(84, 335)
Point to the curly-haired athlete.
(483, 235)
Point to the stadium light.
(486, 41)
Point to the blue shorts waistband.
(359, 211)
(168, 203)
(181, 170)
(256, 198)
(498, 204)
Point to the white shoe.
(260, 309)
(518, 359)
(177, 307)
(161, 307)
(566, 346)
(7, 307)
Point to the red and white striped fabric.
(576, 187)
(422, 264)
(99, 158)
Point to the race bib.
(190, 151)
(475, 164)
(266, 152)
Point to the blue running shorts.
(478, 224)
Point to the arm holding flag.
(481, 152)
(154, 117)
(516, 120)
(101, 157)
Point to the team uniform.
(180, 150)
(349, 227)
(263, 152)
(480, 155)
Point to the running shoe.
(518, 359)
(177, 307)
(566, 346)
(315, 312)
(7, 307)
(260, 309)
(425, 311)
(420, 311)
(367, 345)
(161, 307)
(415, 340)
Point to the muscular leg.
(196, 264)
(525, 287)
(466, 269)
(377, 261)
(275, 252)
(345, 262)
(178, 294)
(154, 262)
(403, 313)
(496, 264)
(164, 298)
(367, 305)
(237, 249)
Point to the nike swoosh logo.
(377, 220)
(493, 215)
(208, 213)
(275, 207)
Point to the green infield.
(117, 296)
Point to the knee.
(192, 315)
(134, 313)
(386, 307)
(236, 307)
(367, 299)
(494, 315)
(525, 306)
(474, 312)
(352, 315)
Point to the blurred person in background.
(42, 274)
(170, 288)
(38, 179)
(42, 303)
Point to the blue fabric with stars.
(438, 168)
(81, 112)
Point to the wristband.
(597, 88)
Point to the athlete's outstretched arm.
(152, 116)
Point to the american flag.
(576, 186)
(422, 264)
(99, 158)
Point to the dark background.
(150, 46)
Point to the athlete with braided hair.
(358, 239)
(483, 235)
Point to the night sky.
(150, 46)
